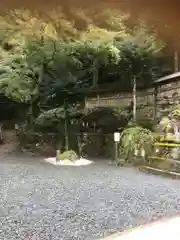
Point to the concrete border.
(114, 236)
(155, 230)
(67, 162)
(161, 172)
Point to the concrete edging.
(160, 172)
(158, 229)
(114, 236)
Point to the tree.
(47, 65)
(22, 67)
(140, 51)
(93, 55)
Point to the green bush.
(70, 155)
(145, 123)
(175, 113)
(135, 138)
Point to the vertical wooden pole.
(79, 145)
(57, 155)
(176, 62)
(95, 74)
(65, 128)
(116, 152)
(155, 103)
(134, 99)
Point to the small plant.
(175, 113)
(70, 155)
(133, 139)
(145, 123)
(163, 124)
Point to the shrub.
(70, 155)
(175, 113)
(162, 125)
(145, 123)
(135, 138)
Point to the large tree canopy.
(49, 58)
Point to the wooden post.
(176, 62)
(1, 134)
(79, 145)
(95, 74)
(98, 99)
(116, 147)
(65, 128)
(134, 99)
(57, 155)
(155, 103)
(116, 152)
(66, 135)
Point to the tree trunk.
(34, 99)
(36, 87)
(134, 99)
(66, 128)
(95, 74)
(30, 116)
(66, 135)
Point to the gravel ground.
(41, 201)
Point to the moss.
(70, 155)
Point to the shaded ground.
(37, 199)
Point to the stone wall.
(167, 97)
(145, 101)
(153, 102)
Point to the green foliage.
(70, 155)
(145, 123)
(140, 51)
(16, 77)
(50, 117)
(135, 138)
(107, 119)
(175, 113)
(164, 122)
(40, 56)
(46, 60)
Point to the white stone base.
(66, 162)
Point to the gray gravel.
(40, 201)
